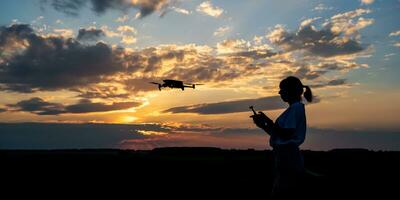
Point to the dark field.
(188, 173)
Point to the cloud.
(65, 63)
(110, 33)
(304, 72)
(397, 44)
(133, 136)
(128, 34)
(205, 69)
(127, 39)
(334, 82)
(367, 1)
(232, 45)
(351, 14)
(51, 63)
(307, 22)
(140, 84)
(265, 103)
(345, 23)
(91, 34)
(39, 106)
(3, 110)
(208, 9)
(181, 10)
(318, 42)
(340, 66)
(68, 136)
(190, 63)
(394, 33)
(145, 7)
(387, 56)
(221, 31)
(321, 7)
(101, 92)
(254, 54)
(122, 19)
(66, 33)
(100, 71)
(126, 29)
(338, 36)
(86, 106)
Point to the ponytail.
(308, 94)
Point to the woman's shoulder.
(298, 106)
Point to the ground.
(189, 173)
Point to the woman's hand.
(261, 120)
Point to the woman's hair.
(295, 87)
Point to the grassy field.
(189, 173)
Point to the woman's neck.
(294, 101)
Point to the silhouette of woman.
(286, 135)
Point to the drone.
(175, 84)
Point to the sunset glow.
(86, 62)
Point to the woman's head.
(291, 90)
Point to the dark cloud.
(204, 73)
(69, 7)
(100, 92)
(41, 107)
(91, 34)
(12, 36)
(207, 68)
(324, 42)
(33, 62)
(51, 63)
(38, 106)
(188, 65)
(82, 136)
(70, 136)
(306, 73)
(313, 72)
(16, 87)
(145, 7)
(265, 103)
(334, 82)
(3, 110)
(86, 106)
(150, 61)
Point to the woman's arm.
(262, 121)
(271, 128)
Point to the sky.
(75, 74)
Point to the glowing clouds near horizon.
(100, 77)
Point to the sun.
(126, 119)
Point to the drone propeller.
(194, 84)
(159, 85)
